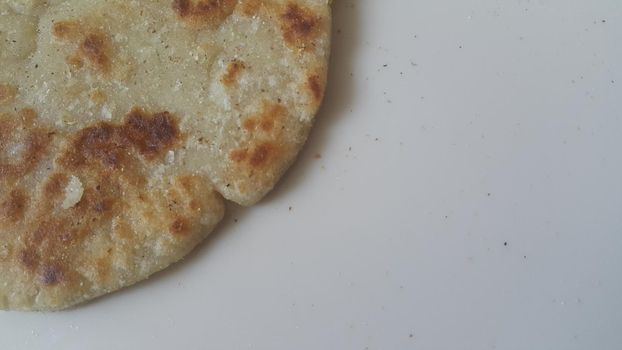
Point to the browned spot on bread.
(29, 258)
(233, 71)
(249, 124)
(98, 96)
(266, 121)
(266, 135)
(67, 30)
(7, 93)
(300, 26)
(21, 148)
(108, 145)
(13, 207)
(103, 266)
(151, 134)
(267, 124)
(52, 233)
(180, 226)
(101, 206)
(95, 48)
(55, 186)
(316, 88)
(204, 12)
(75, 61)
(187, 182)
(28, 115)
(51, 274)
(96, 144)
(238, 155)
(250, 7)
(262, 153)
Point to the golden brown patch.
(300, 26)
(98, 144)
(249, 124)
(13, 207)
(315, 87)
(7, 94)
(110, 161)
(108, 145)
(95, 48)
(31, 144)
(29, 258)
(55, 186)
(250, 7)
(28, 115)
(103, 266)
(266, 137)
(67, 30)
(238, 155)
(180, 226)
(98, 97)
(204, 12)
(233, 71)
(262, 153)
(270, 116)
(48, 244)
(75, 61)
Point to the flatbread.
(126, 124)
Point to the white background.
(468, 196)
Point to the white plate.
(468, 196)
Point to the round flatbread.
(124, 126)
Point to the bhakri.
(125, 125)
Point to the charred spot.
(51, 274)
(233, 71)
(150, 134)
(7, 93)
(96, 50)
(96, 144)
(29, 258)
(204, 12)
(299, 25)
(14, 206)
(108, 145)
(315, 87)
